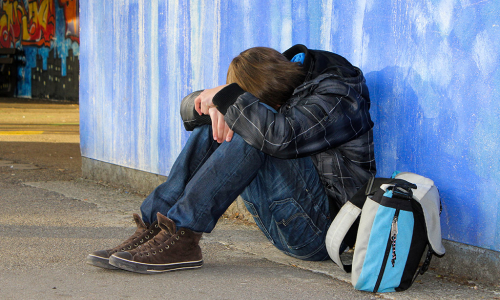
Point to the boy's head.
(266, 74)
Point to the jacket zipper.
(391, 247)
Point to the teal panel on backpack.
(377, 244)
(392, 275)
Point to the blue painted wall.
(432, 66)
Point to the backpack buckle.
(403, 190)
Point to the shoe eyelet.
(156, 225)
(141, 241)
(147, 253)
(177, 237)
(173, 242)
(168, 246)
(147, 237)
(161, 250)
(123, 249)
(135, 245)
(154, 252)
(129, 247)
(182, 232)
(151, 232)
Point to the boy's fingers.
(197, 104)
(229, 135)
(226, 130)
(213, 117)
(221, 129)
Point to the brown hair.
(266, 74)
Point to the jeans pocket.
(253, 211)
(296, 229)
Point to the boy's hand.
(204, 105)
(203, 102)
(220, 129)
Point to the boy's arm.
(189, 116)
(329, 115)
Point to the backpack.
(399, 220)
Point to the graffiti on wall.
(48, 33)
(32, 25)
(49, 83)
(72, 18)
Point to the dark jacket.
(326, 118)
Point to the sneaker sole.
(100, 262)
(145, 268)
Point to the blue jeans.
(285, 196)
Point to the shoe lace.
(156, 242)
(140, 233)
(128, 241)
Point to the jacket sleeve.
(323, 113)
(190, 117)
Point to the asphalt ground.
(50, 219)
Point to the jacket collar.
(308, 64)
(318, 62)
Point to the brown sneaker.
(169, 250)
(143, 234)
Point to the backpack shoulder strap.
(347, 215)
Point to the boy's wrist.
(227, 96)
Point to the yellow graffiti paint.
(33, 25)
(39, 15)
(20, 132)
(11, 12)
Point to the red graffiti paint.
(39, 27)
(34, 25)
(11, 17)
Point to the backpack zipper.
(394, 234)
(391, 247)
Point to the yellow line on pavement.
(20, 132)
